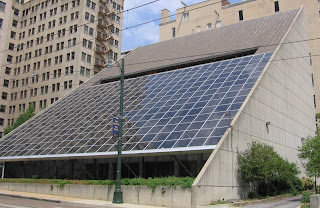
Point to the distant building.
(190, 105)
(50, 47)
(211, 14)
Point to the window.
(185, 16)
(86, 16)
(209, 26)
(9, 58)
(8, 70)
(198, 29)
(2, 6)
(218, 24)
(14, 23)
(1, 20)
(241, 15)
(6, 83)
(4, 96)
(173, 32)
(276, 6)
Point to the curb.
(271, 199)
(30, 197)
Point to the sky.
(147, 33)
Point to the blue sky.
(148, 33)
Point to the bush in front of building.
(308, 183)
(267, 172)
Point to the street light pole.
(118, 196)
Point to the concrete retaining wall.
(315, 201)
(143, 195)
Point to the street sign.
(116, 127)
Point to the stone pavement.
(71, 200)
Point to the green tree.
(21, 119)
(262, 167)
(310, 155)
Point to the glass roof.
(182, 109)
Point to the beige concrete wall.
(175, 197)
(282, 96)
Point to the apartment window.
(314, 101)
(8, 70)
(87, 72)
(65, 85)
(93, 6)
(6, 83)
(276, 6)
(14, 23)
(2, 6)
(241, 15)
(12, 35)
(218, 24)
(9, 58)
(88, 3)
(209, 26)
(70, 84)
(198, 29)
(82, 70)
(4, 96)
(16, 12)
(1, 21)
(310, 57)
(312, 77)
(173, 32)
(11, 46)
(185, 16)
(83, 57)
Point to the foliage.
(266, 170)
(308, 183)
(184, 182)
(306, 197)
(318, 115)
(21, 119)
(253, 195)
(310, 154)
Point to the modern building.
(190, 105)
(213, 14)
(50, 47)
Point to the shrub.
(308, 183)
(266, 170)
(253, 195)
(306, 197)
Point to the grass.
(305, 206)
(184, 182)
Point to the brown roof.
(264, 33)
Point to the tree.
(310, 155)
(21, 119)
(262, 167)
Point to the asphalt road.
(286, 203)
(13, 202)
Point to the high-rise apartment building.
(213, 14)
(49, 47)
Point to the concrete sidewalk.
(71, 200)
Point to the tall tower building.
(50, 47)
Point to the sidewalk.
(70, 200)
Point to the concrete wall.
(143, 195)
(283, 96)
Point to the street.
(286, 203)
(14, 202)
